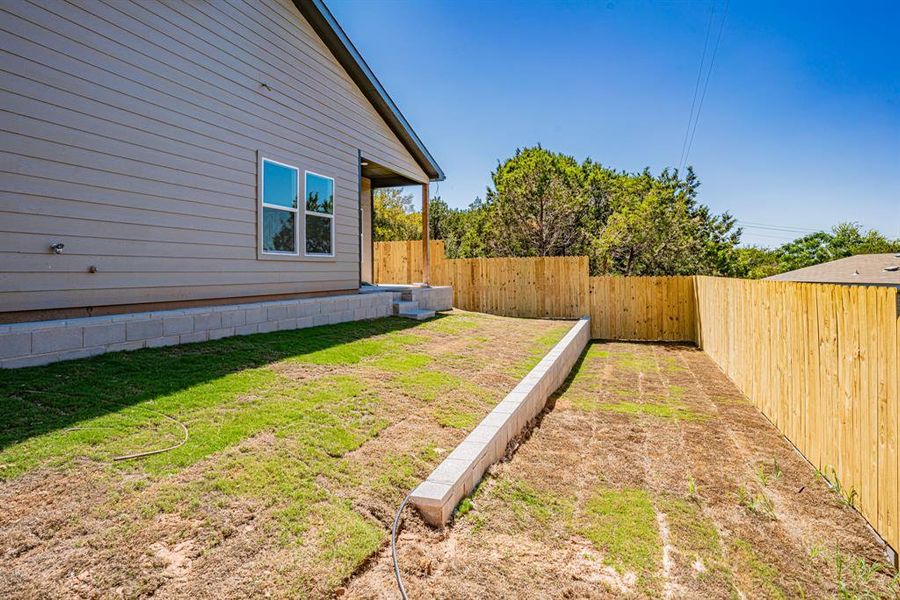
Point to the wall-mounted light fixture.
(57, 248)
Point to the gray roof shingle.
(866, 269)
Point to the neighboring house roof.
(327, 27)
(867, 269)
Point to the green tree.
(465, 232)
(845, 239)
(656, 227)
(848, 240)
(442, 220)
(648, 233)
(538, 205)
(719, 237)
(474, 232)
(805, 251)
(756, 262)
(544, 203)
(395, 217)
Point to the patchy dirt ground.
(302, 443)
(648, 476)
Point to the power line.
(779, 229)
(687, 132)
(784, 238)
(784, 228)
(777, 225)
(712, 63)
(769, 233)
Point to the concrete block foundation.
(44, 342)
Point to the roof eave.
(327, 27)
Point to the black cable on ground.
(394, 548)
(184, 430)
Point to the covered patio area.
(374, 176)
(418, 300)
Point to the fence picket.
(830, 386)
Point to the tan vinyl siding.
(129, 133)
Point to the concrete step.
(401, 306)
(419, 314)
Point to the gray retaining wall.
(44, 342)
(457, 476)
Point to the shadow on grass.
(570, 378)
(39, 400)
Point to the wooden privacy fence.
(401, 262)
(648, 308)
(521, 287)
(642, 308)
(822, 362)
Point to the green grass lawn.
(300, 445)
(224, 391)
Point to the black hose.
(183, 441)
(394, 548)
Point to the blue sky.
(799, 128)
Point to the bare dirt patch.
(648, 476)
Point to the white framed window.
(279, 197)
(319, 215)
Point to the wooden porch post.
(426, 246)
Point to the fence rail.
(822, 362)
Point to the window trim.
(331, 216)
(261, 204)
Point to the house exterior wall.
(130, 135)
